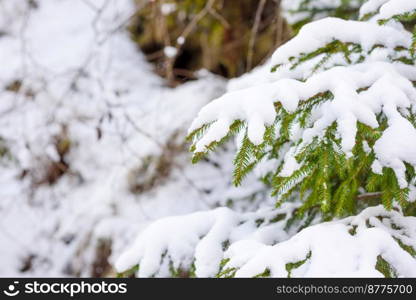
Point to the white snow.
(397, 145)
(170, 51)
(386, 9)
(317, 34)
(175, 240)
(181, 40)
(333, 250)
(290, 165)
(397, 7)
(168, 8)
(371, 6)
(346, 108)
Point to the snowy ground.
(70, 74)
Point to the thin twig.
(254, 32)
(219, 17)
(190, 27)
(369, 196)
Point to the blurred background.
(95, 100)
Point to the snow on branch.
(198, 240)
(388, 89)
(341, 105)
(387, 9)
(373, 244)
(227, 244)
(320, 33)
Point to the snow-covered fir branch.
(332, 128)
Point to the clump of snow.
(290, 165)
(344, 248)
(182, 241)
(181, 40)
(317, 34)
(258, 75)
(398, 7)
(329, 249)
(199, 238)
(371, 6)
(397, 145)
(168, 8)
(170, 51)
(346, 108)
(385, 9)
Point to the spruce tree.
(343, 92)
(335, 125)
